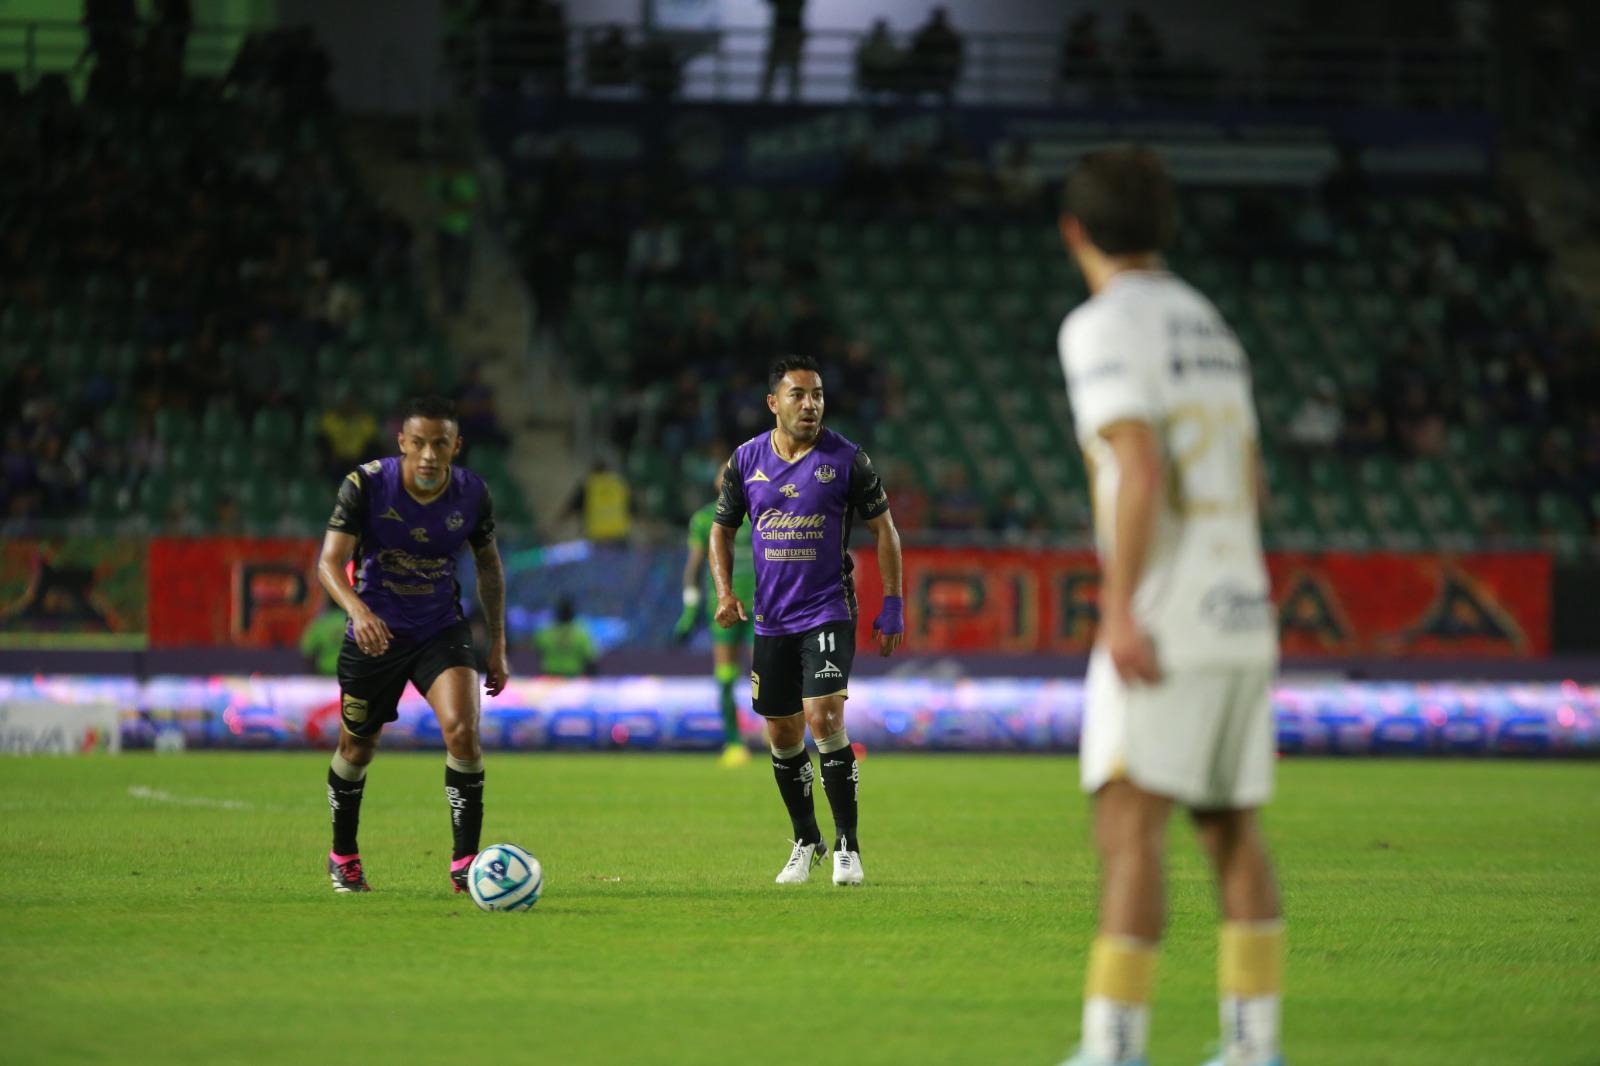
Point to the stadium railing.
(995, 68)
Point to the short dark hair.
(785, 364)
(1124, 199)
(429, 407)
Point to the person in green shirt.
(322, 639)
(726, 644)
(564, 647)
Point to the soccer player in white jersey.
(1177, 707)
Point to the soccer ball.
(505, 878)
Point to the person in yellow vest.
(603, 501)
(564, 646)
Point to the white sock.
(1115, 1031)
(1250, 1029)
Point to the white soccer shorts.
(1204, 737)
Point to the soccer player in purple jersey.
(404, 520)
(801, 485)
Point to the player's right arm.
(731, 509)
(338, 545)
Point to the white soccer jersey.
(1150, 348)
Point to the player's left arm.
(871, 502)
(491, 596)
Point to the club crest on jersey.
(419, 534)
(790, 491)
(455, 521)
(392, 513)
(826, 473)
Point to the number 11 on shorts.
(827, 642)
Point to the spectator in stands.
(860, 384)
(475, 412)
(164, 46)
(1318, 423)
(755, 263)
(785, 46)
(705, 346)
(548, 47)
(810, 334)
(934, 64)
(655, 250)
(863, 186)
(1140, 53)
(660, 68)
(910, 502)
(112, 27)
(58, 475)
(603, 502)
(969, 187)
(565, 649)
(1018, 184)
(608, 60)
(1011, 517)
(1366, 429)
(917, 185)
(1082, 74)
(957, 506)
(878, 63)
(757, 335)
(349, 435)
(454, 190)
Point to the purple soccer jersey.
(800, 513)
(406, 550)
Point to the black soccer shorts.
(371, 685)
(801, 666)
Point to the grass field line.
(161, 795)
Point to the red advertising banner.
(1330, 604)
(217, 591)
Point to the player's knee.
(786, 732)
(461, 738)
(357, 751)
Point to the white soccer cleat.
(797, 871)
(846, 866)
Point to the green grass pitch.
(176, 910)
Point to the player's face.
(798, 404)
(429, 446)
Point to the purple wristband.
(891, 619)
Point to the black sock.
(465, 793)
(839, 779)
(344, 802)
(794, 785)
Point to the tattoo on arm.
(492, 590)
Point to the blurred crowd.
(198, 256)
